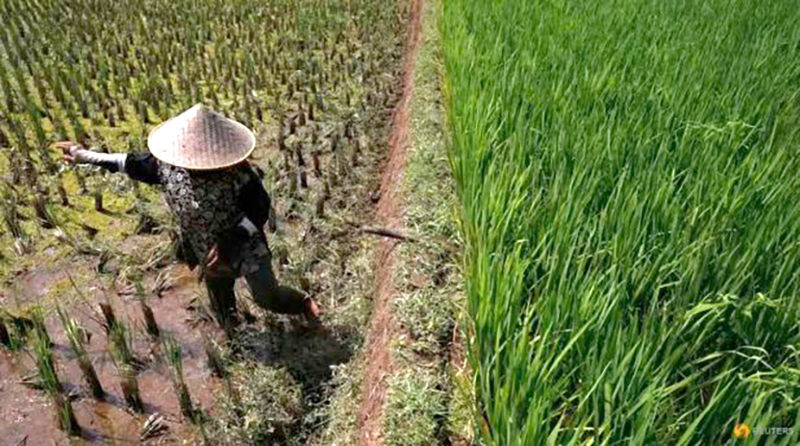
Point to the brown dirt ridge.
(390, 215)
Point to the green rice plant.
(151, 326)
(149, 319)
(174, 356)
(109, 316)
(120, 343)
(627, 174)
(45, 363)
(130, 387)
(66, 415)
(75, 336)
(18, 327)
(119, 347)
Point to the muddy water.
(27, 416)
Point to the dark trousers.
(266, 291)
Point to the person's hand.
(209, 264)
(67, 148)
(217, 264)
(212, 259)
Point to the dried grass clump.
(269, 409)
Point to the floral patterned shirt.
(206, 204)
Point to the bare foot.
(311, 309)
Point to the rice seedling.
(119, 347)
(151, 326)
(76, 340)
(174, 356)
(52, 92)
(22, 326)
(627, 174)
(109, 316)
(149, 319)
(66, 415)
(48, 376)
(13, 330)
(38, 327)
(120, 342)
(130, 387)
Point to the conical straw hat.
(201, 139)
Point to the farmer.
(199, 158)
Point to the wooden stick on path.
(384, 232)
(387, 233)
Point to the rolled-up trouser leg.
(223, 298)
(269, 295)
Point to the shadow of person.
(308, 354)
(298, 364)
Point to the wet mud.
(27, 416)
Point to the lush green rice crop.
(628, 173)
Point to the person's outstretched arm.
(139, 166)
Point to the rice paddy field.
(628, 173)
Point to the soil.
(389, 215)
(27, 414)
(35, 284)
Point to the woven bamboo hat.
(201, 139)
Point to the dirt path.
(390, 215)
